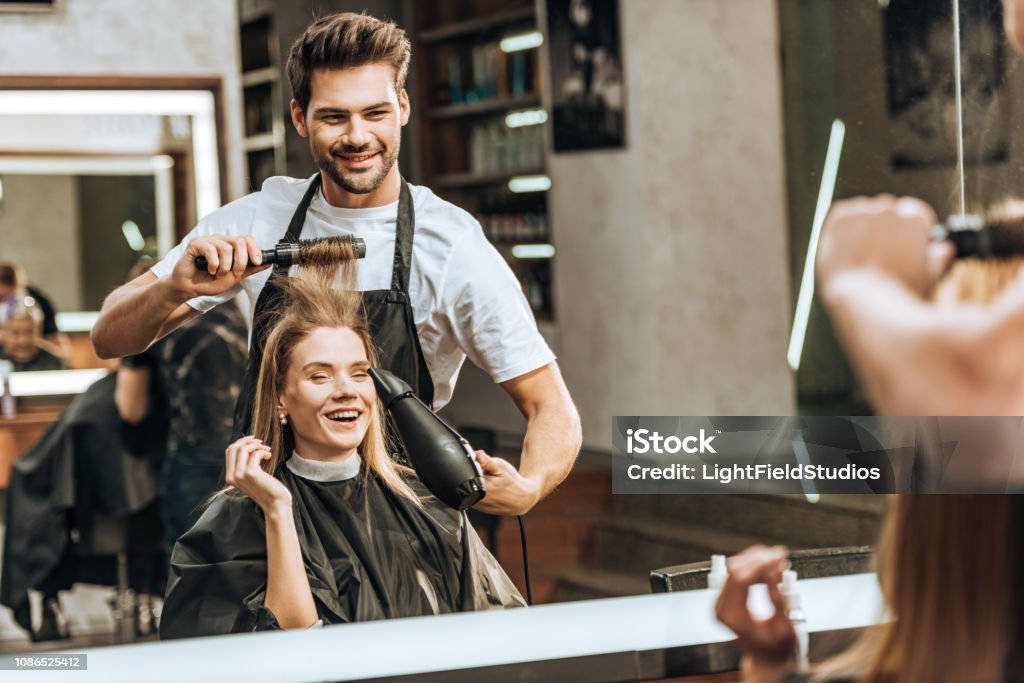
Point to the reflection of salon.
(601, 222)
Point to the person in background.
(22, 338)
(196, 373)
(14, 290)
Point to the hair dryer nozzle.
(389, 387)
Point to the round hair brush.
(999, 235)
(311, 252)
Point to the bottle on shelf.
(718, 573)
(8, 408)
(795, 612)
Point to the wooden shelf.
(456, 180)
(454, 111)
(259, 77)
(462, 29)
(464, 56)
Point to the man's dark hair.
(342, 41)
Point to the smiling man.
(435, 290)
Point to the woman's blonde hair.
(319, 297)
(949, 567)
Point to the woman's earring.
(284, 420)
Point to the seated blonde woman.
(318, 525)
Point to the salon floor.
(89, 611)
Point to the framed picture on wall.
(920, 57)
(588, 94)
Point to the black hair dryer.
(443, 460)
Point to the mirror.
(989, 82)
(103, 176)
(101, 213)
(886, 70)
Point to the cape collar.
(322, 470)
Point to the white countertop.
(463, 641)
(54, 382)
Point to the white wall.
(671, 272)
(134, 38)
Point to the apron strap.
(401, 270)
(299, 217)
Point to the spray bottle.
(795, 612)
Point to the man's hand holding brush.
(228, 260)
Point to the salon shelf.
(457, 180)
(454, 111)
(457, 50)
(471, 27)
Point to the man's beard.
(355, 182)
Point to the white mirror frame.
(197, 104)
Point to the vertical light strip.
(825, 193)
(204, 155)
(959, 107)
(163, 185)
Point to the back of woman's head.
(321, 296)
(949, 568)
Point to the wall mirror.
(911, 98)
(100, 177)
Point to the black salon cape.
(369, 554)
(87, 465)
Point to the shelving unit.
(262, 96)
(468, 85)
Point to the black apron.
(388, 312)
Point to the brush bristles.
(1002, 236)
(323, 252)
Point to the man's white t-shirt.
(465, 299)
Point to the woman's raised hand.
(243, 471)
(768, 645)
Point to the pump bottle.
(7, 406)
(795, 612)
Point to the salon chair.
(106, 536)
